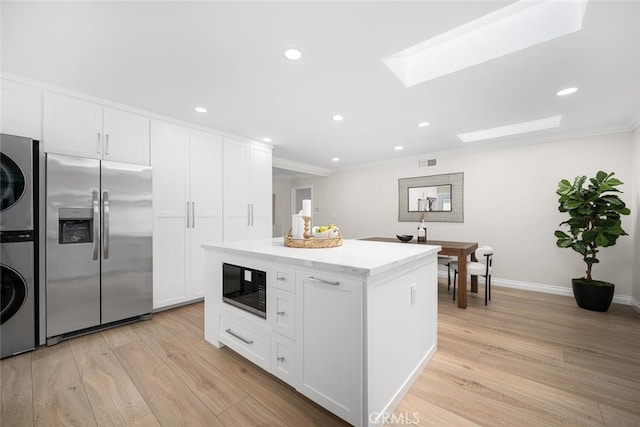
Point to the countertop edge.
(323, 265)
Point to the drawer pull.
(281, 278)
(240, 337)
(281, 313)
(328, 282)
(281, 359)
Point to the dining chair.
(482, 267)
(446, 261)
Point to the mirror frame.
(456, 180)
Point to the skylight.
(518, 26)
(514, 129)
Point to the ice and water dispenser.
(75, 225)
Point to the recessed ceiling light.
(337, 118)
(567, 91)
(266, 139)
(515, 27)
(514, 129)
(423, 124)
(200, 109)
(335, 159)
(293, 54)
(398, 148)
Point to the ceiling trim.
(281, 163)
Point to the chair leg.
(448, 277)
(455, 276)
(487, 288)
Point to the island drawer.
(283, 363)
(282, 312)
(284, 279)
(250, 339)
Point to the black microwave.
(245, 288)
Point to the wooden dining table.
(448, 248)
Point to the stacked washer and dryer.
(18, 233)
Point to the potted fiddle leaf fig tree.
(594, 222)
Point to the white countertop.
(353, 257)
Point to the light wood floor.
(527, 359)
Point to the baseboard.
(552, 289)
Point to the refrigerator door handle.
(95, 203)
(105, 224)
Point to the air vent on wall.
(431, 163)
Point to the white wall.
(509, 203)
(635, 206)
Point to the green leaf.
(614, 182)
(602, 239)
(564, 243)
(601, 176)
(561, 234)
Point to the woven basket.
(312, 242)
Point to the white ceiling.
(168, 57)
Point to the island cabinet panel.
(330, 351)
(81, 128)
(401, 333)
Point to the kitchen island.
(349, 327)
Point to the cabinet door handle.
(328, 282)
(106, 143)
(281, 278)
(281, 313)
(105, 224)
(240, 337)
(281, 359)
(193, 214)
(188, 215)
(248, 214)
(98, 144)
(251, 214)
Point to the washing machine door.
(13, 293)
(16, 176)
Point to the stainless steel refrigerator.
(99, 254)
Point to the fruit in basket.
(323, 228)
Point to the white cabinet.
(21, 110)
(187, 184)
(330, 354)
(247, 190)
(81, 128)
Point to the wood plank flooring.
(527, 359)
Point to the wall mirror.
(438, 197)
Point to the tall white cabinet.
(187, 199)
(81, 128)
(247, 190)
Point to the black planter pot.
(594, 295)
